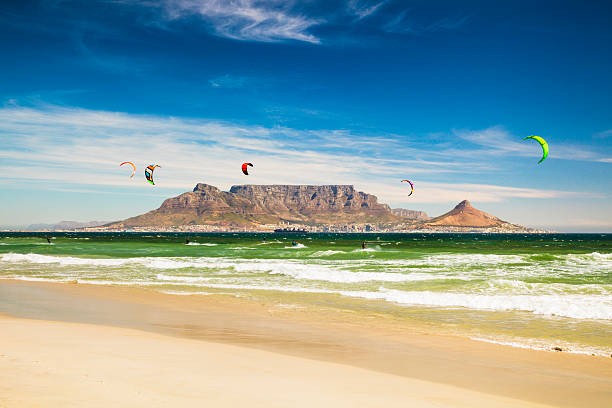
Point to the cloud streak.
(248, 20)
(498, 141)
(78, 148)
(603, 134)
(401, 23)
(361, 10)
(290, 20)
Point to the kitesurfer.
(294, 243)
(363, 245)
(187, 241)
(48, 239)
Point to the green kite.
(543, 144)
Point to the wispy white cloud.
(252, 83)
(433, 192)
(105, 61)
(249, 20)
(498, 141)
(402, 23)
(363, 9)
(292, 20)
(604, 133)
(72, 148)
(228, 81)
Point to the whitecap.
(296, 246)
(326, 253)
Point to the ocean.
(524, 290)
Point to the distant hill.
(466, 216)
(64, 225)
(410, 214)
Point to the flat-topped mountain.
(267, 204)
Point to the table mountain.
(246, 205)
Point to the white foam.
(498, 283)
(326, 253)
(365, 250)
(328, 274)
(579, 307)
(532, 344)
(62, 260)
(296, 246)
(573, 306)
(202, 244)
(174, 292)
(32, 278)
(189, 279)
(269, 242)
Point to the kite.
(133, 167)
(149, 173)
(411, 187)
(244, 168)
(543, 144)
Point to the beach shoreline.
(361, 342)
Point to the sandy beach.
(51, 364)
(84, 345)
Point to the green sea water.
(530, 290)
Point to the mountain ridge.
(337, 207)
(250, 204)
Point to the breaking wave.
(570, 285)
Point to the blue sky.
(312, 92)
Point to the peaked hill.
(464, 215)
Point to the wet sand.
(97, 346)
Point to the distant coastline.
(301, 208)
(188, 229)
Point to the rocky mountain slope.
(267, 204)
